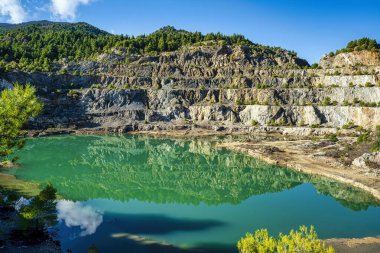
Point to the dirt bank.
(355, 245)
(307, 156)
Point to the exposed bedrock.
(213, 86)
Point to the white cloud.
(66, 9)
(77, 214)
(12, 9)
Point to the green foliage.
(302, 240)
(314, 66)
(359, 45)
(17, 106)
(33, 219)
(364, 135)
(376, 143)
(349, 125)
(41, 205)
(254, 123)
(326, 101)
(35, 47)
(73, 93)
(332, 137)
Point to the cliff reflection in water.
(169, 171)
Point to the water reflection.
(164, 171)
(76, 214)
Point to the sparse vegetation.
(376, 143)
(254, 123)
(326, 101)
(349, 125)
(364, 135)
(332, 137)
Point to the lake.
(140, 194)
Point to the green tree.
(17, 106)
(35, 217)
(376, 143)
(162, 44)
(303, 240)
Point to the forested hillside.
(35, 46)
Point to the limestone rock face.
(215, 86)
(368, 160)
(357, 58)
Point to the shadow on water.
(125, 231)
(164, 171)
(160, 224)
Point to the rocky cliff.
(211, 85)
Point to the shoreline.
(291, 155)
(292, 151)
(276, 149)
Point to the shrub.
(326, 101)
(111, 86)
(254, 123)
(314, 66)
(364, 135)
(302, 240)
(73, 93)
(332, 137)
(376, 144)
(315, 125)
(348, 125)
(346, 103)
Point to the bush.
(348, 125)
(303, 240)
(331, 137)
(254, 123)
(326, 101)
(364, 135)
(376, 144)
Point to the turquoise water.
(140, 194)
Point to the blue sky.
(308, 27)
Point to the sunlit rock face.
(357, 58)
(209, 85)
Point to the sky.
(309, 27)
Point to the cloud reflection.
(77, 214)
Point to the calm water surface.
(140, 194)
